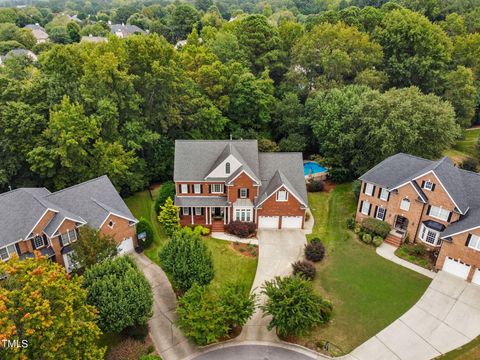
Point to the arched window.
(227, 168)
(405, 204)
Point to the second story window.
(227, 168)
(7, 252)
(369, 189)
(428, 185)
(184, 189)
(383, 194)
(473, 242)
(38, 242)
(216, 188)
(197, 188)
(282, 195)
(439, 213)
(365, 208)
(243, 193)
(405, 204)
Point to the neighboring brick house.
(218, 182)
(430, 202)
(36, 219)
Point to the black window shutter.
(433, 187)
(60, 240)
(423, 184)
(373, 190)
(201, 189)
(209, 189)
(18, 248)
(449, 216)
(375, 212)
(369, 209)
(364, 187)
(33, 244)
(468, 239)
(379, 192)
(179, 188)
(384, 214)
(428, 209)
(361, 206)
(248, 193)
(388, 196)
(239, 192)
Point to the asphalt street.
(252, 352)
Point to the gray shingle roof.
(21, 209)
(189, 201)
(125, 29)
(463, 186)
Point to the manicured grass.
(230, 266)
(470, 351)
(141, 205)
(464, 148)
(368, 292)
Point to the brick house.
(218, 182)
(429, 202)
(36, 219)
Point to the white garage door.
(69, 263)
(476, 277)
(268, 222)
(456, 268)
(292, 222)
(125, 246)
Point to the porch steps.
(393, 240)
(218, 226)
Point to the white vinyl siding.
(184, 189)
(429, 236)
(282, 195)
(369, 189)
(474, 242)
(365, 208)
(439, 213)
(380, 213)
(384, 194)
(405, 204)
(197, 188)
(216, 188)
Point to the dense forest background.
(349, 81)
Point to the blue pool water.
(310, 168)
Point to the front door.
(401, 223)
(218, 212)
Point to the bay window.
(243, 215)
(7, 251)
(429, 236)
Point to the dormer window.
(39, 242)
(227, 168)
(428, 185)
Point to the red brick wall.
(121, 230)
(242, 181)
(457, 250)
(272, 207)
(56, 245)
(38, 230)
(205, 188)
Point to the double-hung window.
(185, 211)
(69, 237)
(439, 213)
(384, 194)
(184, 188)
(243, 215)
(216, 188)
(369, 189)
(405, 204)
(197, 188)
(380, 213)
(39, 242)
(7, 252)
(474, 242)
(243, 193)
(429, 236)
(365, 208)
(198, 211)
(428, 185)
(282, 195)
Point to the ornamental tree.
(294, 306)
(39, 303)
(92, 247)
(169, 216)
(187, 260)
(120, 292)
(167, 190)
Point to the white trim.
(367, 184)
(199, 189)
(413, 186)
(66, 218)
(383, 217)
(426, 229)
(441, 209)
(217, 192)
(382, 190)
(274, 192)
(40, 219)
(281, 200)
(461, 232)
(241, 172)
(120, 216)
(478, 242)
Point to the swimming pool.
(312, 168)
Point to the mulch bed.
(245, 249)
(329, 186)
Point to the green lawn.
(466, 147)
(368, 292)
(470, 351)
(229, 264)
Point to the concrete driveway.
(278, 249)
(446, 316)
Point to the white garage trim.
(268, 222)
(292, 222)
(456, 267)
(476, 277)
(125, 246)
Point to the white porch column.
(225, 215)
(206, 215)
(191, 212)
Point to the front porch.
(206, 216)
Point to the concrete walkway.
(387, 251)
(233, 238)
(446, 317)
(169, 341)
(278, 249)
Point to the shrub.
(167, 190)
(356, 188)
(201, 230)
(351, 223)
(144, 226)
(315, 185)
(241, 229)
(120, 292)
(169, 217)
(357, 228)
(416, 249)
(469, 164)
(305, 269)
(315, 251)
(187, 260)
(91, 248)
(205, 317)
(139, 332)
(128, 349)
(294, 306)
(376, 227)
(307, 216)
(377, 241)
(367, 238)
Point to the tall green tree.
(91, 248)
